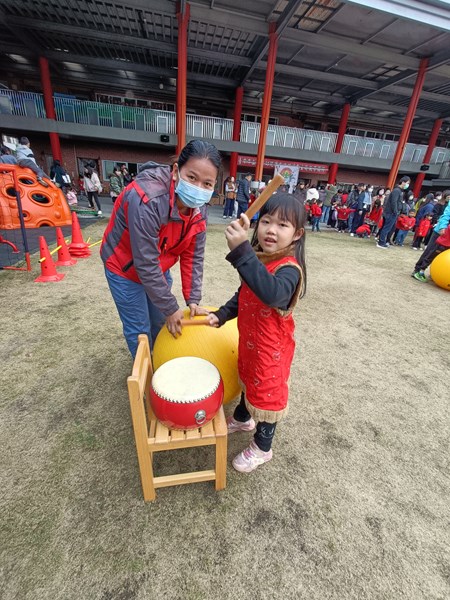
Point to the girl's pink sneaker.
(250, 458)
(233, 425)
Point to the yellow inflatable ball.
(440, 270)
(217, 345)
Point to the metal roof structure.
(329, 52)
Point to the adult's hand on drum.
(173, 322)
(236, 233)
(212, 320)
(197, 310)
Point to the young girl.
(273, 273)
(71, 196)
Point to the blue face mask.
(192, 196)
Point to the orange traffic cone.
(48, 270)
(78, 246)
(64, 259)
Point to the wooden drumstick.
(265, 195)
(185, 322)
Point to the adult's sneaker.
(420, 276)
(382, 246)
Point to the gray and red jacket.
(147, 235)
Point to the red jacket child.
(343, 213)
(405, 223)
(423, 228)
(316, 211)
(363, 230)
(375, 215)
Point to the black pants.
(417, 241)
(242, 207)
(342, 224)
(429, 254)
(93, 196)
(358, 220)
(264, 431)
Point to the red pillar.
(431, 146)
(183, 21)
(49, 106)
(236, 128)
(408, 122)
(268, 87)
(332, 174)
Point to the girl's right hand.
(173, 322)
(213, 320)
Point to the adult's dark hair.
(446, 194)
(5, 150)
(429, 198)
(289, 209)
(24, 140)
(57, 163)
(405, 179)
(200, 149)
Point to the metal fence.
(83, 112)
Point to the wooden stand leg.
(221, 462)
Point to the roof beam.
(322, 76)
(135, 42)
(435, 13)
(283, 20)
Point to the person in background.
(71, 196)
(439, 207)
(243, 194)
(363, 231)
(115, 184)
(159, 220)
(230, 197)
(404, 224)
(391, 210)
(343, 213)
(439, 241)
(300, 191)
(93, 188)
(421, 232)
(358, 218)
(426, 208)
(25, 158)
(330, 191)
(316, 213)
(126, 177)
(352, 202)
(375, 216)
(6, 156)
(59, 175)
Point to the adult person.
(358, 215)
(433, 247)
(391, 209)
(115, 183)
(160, 219)
(127, 178)
(230, 197)
(59, 176)
(93, 188)
(25, 158)
(330, 191)
(243, 194)
(300, 191)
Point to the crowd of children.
(359, 212)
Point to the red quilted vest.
(266, 347)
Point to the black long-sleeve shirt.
(274, 289)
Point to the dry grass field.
(354, 505)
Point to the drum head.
(186, 380)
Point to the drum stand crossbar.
(152, 436)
